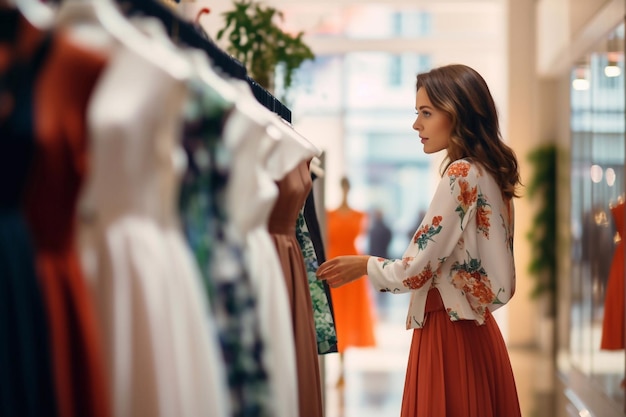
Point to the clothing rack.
(194, 37)
(268, 100)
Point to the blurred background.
(555, 69)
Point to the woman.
(459, 265)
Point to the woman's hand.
(343, 269)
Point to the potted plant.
(261, 45)
(543, 237)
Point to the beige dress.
(293, 190)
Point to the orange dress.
(613, 320)
(62, 91)
(352, 303)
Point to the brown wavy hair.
(463, 94)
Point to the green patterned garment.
(324, 323)
(220, 257)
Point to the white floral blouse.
(464, 248)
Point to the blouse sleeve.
(452, 208)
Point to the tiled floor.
(374, 377)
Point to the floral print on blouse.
(463, 247)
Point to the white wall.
(568, 29)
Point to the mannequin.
(352, 303)
(613, 320)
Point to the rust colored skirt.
(458, 369)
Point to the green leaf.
(260, 44)
(543, 233)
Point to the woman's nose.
(416, 125)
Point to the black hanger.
(268, 100)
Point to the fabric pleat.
(458, 369)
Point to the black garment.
(26, 387)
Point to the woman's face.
(434, 126)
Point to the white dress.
(161, 345)
(263, 154)
(251, 195)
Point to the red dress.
(613, 320)
(352, 303)
(62, 91)
(26, 385)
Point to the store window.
(596, 341)
(395, 70)
(411, 23)
(403, 68)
